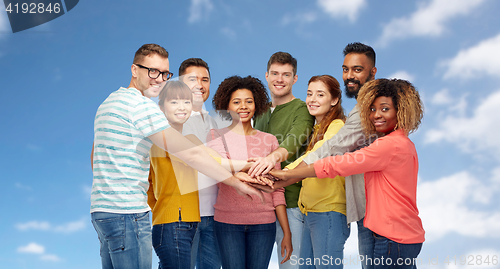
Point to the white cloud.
(475, 131)
(481, 258)
(50, 257)
(23, 187)
(442, 97)
(229, 33)
(87, 190)
(34, 225)
(429, 19)
(32, 248)
(450, 205)
(71, 226)
(199, 10)
(342, 9)
(4, 22)
(403, 75)
(46, 226)
(299, 18)
(476, 61)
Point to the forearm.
(194, 156)
(283, 219)
(228, 164)
(279, 155)
(347, 139)
(299, 173)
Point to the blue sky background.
(54, 77)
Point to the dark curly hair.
(226, 88)
(406, 100)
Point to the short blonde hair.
(405, 98)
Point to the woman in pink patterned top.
(245, 228)
(392, 109)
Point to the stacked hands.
(262, 176)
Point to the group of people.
(282, 170)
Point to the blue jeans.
(366, 243)
(323, 241)
(245, 246)
(125, 240)
(390, 254)
(296, 222)
(205, 251)
(172, 243)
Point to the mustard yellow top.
(322, 194)
(173, 189)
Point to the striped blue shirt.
(121, 151)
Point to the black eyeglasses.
(155, 73)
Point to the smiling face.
(319, 100)
(356, 71)
(198, 80)
(242, 103)
(177, 111)
(383, 114)
(149, 87)
(280, 79)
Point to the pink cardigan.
(231, 207)
(390, 165)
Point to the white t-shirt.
(121, 151)
(207, 186)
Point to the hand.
(261, 165)
(286, 248)
(244, 177)
(263, 188)
(247, 190)
(266, 180)
(262, 180)
(279, 174)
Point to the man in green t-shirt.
(289, 120)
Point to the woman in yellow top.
(322, 201)
(173, 191)
(173, 185)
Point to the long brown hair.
(335, 112)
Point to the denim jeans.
(366, 243)
(205, 251)
(390, 254)
(245, 246)
(296, 222)
(172, 243)
(323, 241)
(125, 240)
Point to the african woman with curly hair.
(391, 109)
(245, 229)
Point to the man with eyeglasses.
(126, 125)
